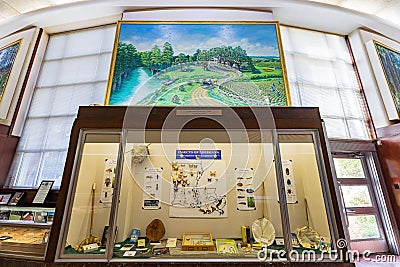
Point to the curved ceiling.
(388, 10)
(335, 16)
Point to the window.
(321, 74)
(74, 73)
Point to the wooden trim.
(26, 79)
(388, 154)
(387, 131)
(367, 113)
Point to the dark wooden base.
(21, 263)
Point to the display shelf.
(28, 196)
(24, 208)
(27, 223)
(25, 239)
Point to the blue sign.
(198, 154)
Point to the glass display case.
(24, 227)
(147, 184)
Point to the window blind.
(74, 73)
(321, 74)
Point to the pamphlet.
(226, 246)
(171, 242)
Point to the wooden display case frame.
(153, 118)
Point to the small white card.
(171, 242)
(129, 253)
(280, 241)
(127, 247)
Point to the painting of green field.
(197, 64)
(7, 57)
(390, 62)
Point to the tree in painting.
(7, 57)
(390, 61)
(212, 68)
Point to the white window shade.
(74, 73)
(321, 74)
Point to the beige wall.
(358, 40)
(91, 171)
(308, 187)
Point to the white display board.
(290, 187)
(107, 188)
(198, 189)
(152, 188)
(245, 189)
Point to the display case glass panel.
(304, 176)
(199, 185)
(216, 182)
(90, 206)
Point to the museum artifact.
(155, 230)
(87, 244)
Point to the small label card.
(171, 242)
(43, 191)
(129, 253)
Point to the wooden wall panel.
(389, 157)
(8, 145)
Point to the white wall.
(358, 40)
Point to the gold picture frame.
(197, 64)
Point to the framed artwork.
(7, 58)
(385, 62)
(16, 198)
(197, 64)
(4, 198)
(390, 62)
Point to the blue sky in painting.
(256, 39)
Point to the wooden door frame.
(384, 205)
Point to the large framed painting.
(197, 64)
(390, 63)
(7, 58)
(385, 62)
(16, 51)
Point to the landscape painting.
(7, 57)
(390, 62)
(197, 64)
